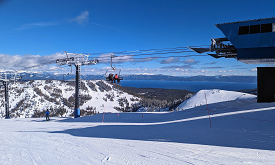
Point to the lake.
(193, 86)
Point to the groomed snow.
(213, 96)
(241, 132)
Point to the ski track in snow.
(243, 132)
(165, 139)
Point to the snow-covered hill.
(33, 97)
(213, 96)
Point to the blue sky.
(35, 31)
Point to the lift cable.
(135, 53)
(140, 51)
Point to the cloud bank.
(18, 62)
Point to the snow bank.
(213, 96)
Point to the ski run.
(212, 127)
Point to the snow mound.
(213, 96)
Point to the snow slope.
(213, 96)
(241, 132)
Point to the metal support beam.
(77, 87)
(6, 85)
(5, 82)
(77, 62)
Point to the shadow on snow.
(255, 130)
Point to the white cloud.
(18, 62)
(215, 67)
(106, 58)
(170, 60)
(54, 68)
(253, 70)
(178, 66)
(190, 61)
(82, 18)
(37, 24)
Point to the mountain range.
(32, 98)
(219, 78)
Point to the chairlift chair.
(110, 76)
(68, 75)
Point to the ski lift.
(67, 75)
(113, 74)
(71, 69)
(16, 77)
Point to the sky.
(34, 32)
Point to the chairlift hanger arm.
(112, 56)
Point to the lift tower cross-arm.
(77, 62)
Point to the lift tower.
(6, 85)
(5, 82)
(78, 60)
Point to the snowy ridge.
(213, 96)
(29, 98)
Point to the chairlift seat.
(111, 78)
